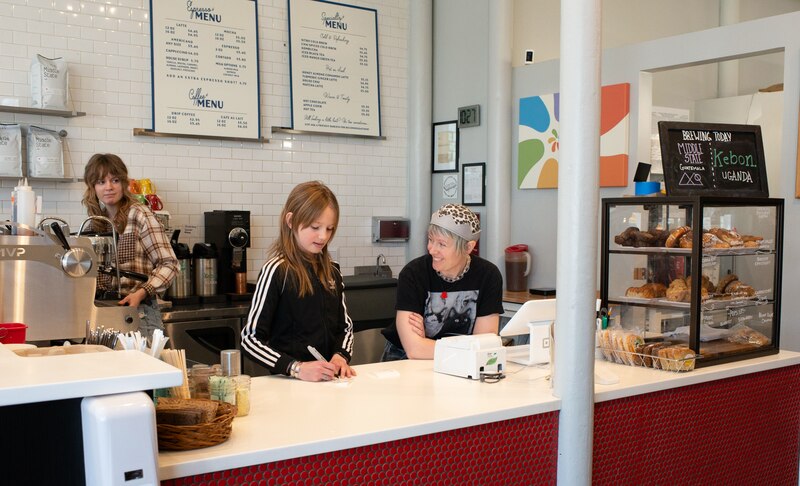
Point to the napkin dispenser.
(469, 356)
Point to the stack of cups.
(231, 361)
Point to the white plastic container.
(23, 207)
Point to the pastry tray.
(629, 358)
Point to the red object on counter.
(12, 332)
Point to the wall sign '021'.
(469, 116)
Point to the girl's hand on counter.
(342, 368)
(417, 324)
(134, 299)
(317, 371)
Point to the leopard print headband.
(458, 220)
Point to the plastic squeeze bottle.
(23, 207)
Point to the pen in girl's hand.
(315, 353)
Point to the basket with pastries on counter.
(629, 347)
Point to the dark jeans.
(393, 353)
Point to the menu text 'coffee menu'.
(205, 68)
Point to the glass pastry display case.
(694, 280)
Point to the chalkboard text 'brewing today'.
(713, 158)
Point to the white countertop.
(401, 399)
(41, 379)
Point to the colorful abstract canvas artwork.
(539, 142)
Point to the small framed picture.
(445, 147)
(473, 184)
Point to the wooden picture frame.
(473, 184)
(444, 145)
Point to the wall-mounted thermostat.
(386, 228)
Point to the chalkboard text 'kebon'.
(721, 159)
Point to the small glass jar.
(242, 395)
(222, 388)
(199, 381)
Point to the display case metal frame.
(693, 207)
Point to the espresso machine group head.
(229, 230)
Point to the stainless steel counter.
(205, 311)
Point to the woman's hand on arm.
(411, 328)
(487, 324)
(343, 369)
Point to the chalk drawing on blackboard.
(691, 180)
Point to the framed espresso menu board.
(713, 159)
(205, 68)
(333, 53)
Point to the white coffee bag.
(10, 150)
(45, 153)
(49, 83)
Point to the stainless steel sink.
(382, 271)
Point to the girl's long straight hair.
(306, 202)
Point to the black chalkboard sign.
(713, 159)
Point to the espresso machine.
(229, 231)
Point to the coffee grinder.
(229, 230)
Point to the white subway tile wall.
(107, 46)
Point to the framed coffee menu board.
(334, 68)
(713, 159)
(205, 68)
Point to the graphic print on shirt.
(451, 312)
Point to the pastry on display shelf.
(675, 236)
(632, 236)
(681, 237)
(647, 291)
(728, 287)
(680, 290)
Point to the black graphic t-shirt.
(448, 308)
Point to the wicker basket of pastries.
(185, 424)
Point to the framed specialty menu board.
(334, 68)
(713, 158)
(205, 68)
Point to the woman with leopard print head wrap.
(446, 292)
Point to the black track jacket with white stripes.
(280, 325)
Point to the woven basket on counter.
(187, 437)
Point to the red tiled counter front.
(520, 451)
(738, 424)
(743, 430)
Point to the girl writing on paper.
(298, 307)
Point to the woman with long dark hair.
(143, 246)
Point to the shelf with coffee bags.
(36, 153)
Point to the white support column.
(420, 93)
(498, 121)
(578, 203)
(728, 71)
